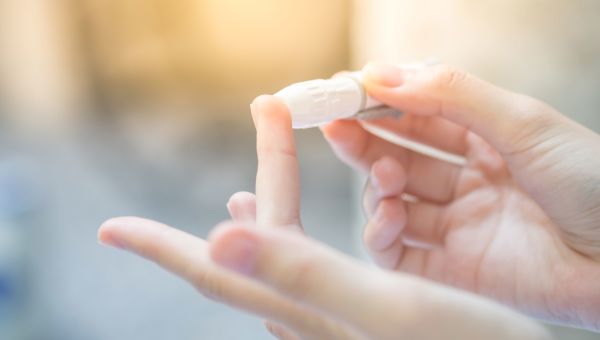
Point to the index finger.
(277, 177)
(359, 148)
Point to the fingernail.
(252, 113)
(373, 175)
(383, 74)
(257, 108)
(238, 254)
(383, 233)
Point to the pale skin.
(519, 223)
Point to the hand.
(187, 256)
(262, 263)
(519, 223)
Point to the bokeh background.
(140, 107)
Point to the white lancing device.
(315, 102)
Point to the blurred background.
(140, 107)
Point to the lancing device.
(315, 102)
(319, 101)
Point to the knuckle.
(535, 123)
(302, 277)
(266, 151)
(531, 110)
(445, 77)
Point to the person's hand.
(520, 222)
(261, 262)
(187, 256)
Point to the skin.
(495, 227)
(519, 223)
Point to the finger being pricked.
(187, 256)
(277, 178)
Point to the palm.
(496, 242)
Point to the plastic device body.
(315, 102)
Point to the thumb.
(510, 122)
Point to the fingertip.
(266, 103)
(125, 222)
(379, 171)
(259, 99)
(328, 130)
(341, 73)
(387, 169)
(389, 257)
(278, 331)
(225, 229)
(253, 114)
(110, 222)
(241, 197)
(234, 246)
(346, 137)
(388, 176)
(274, 127)
(108, 231)
(103, 236)
(386, 225)
(394, 209)
(242, 206)
(339, 130)
(384, 74)
(123, 231)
